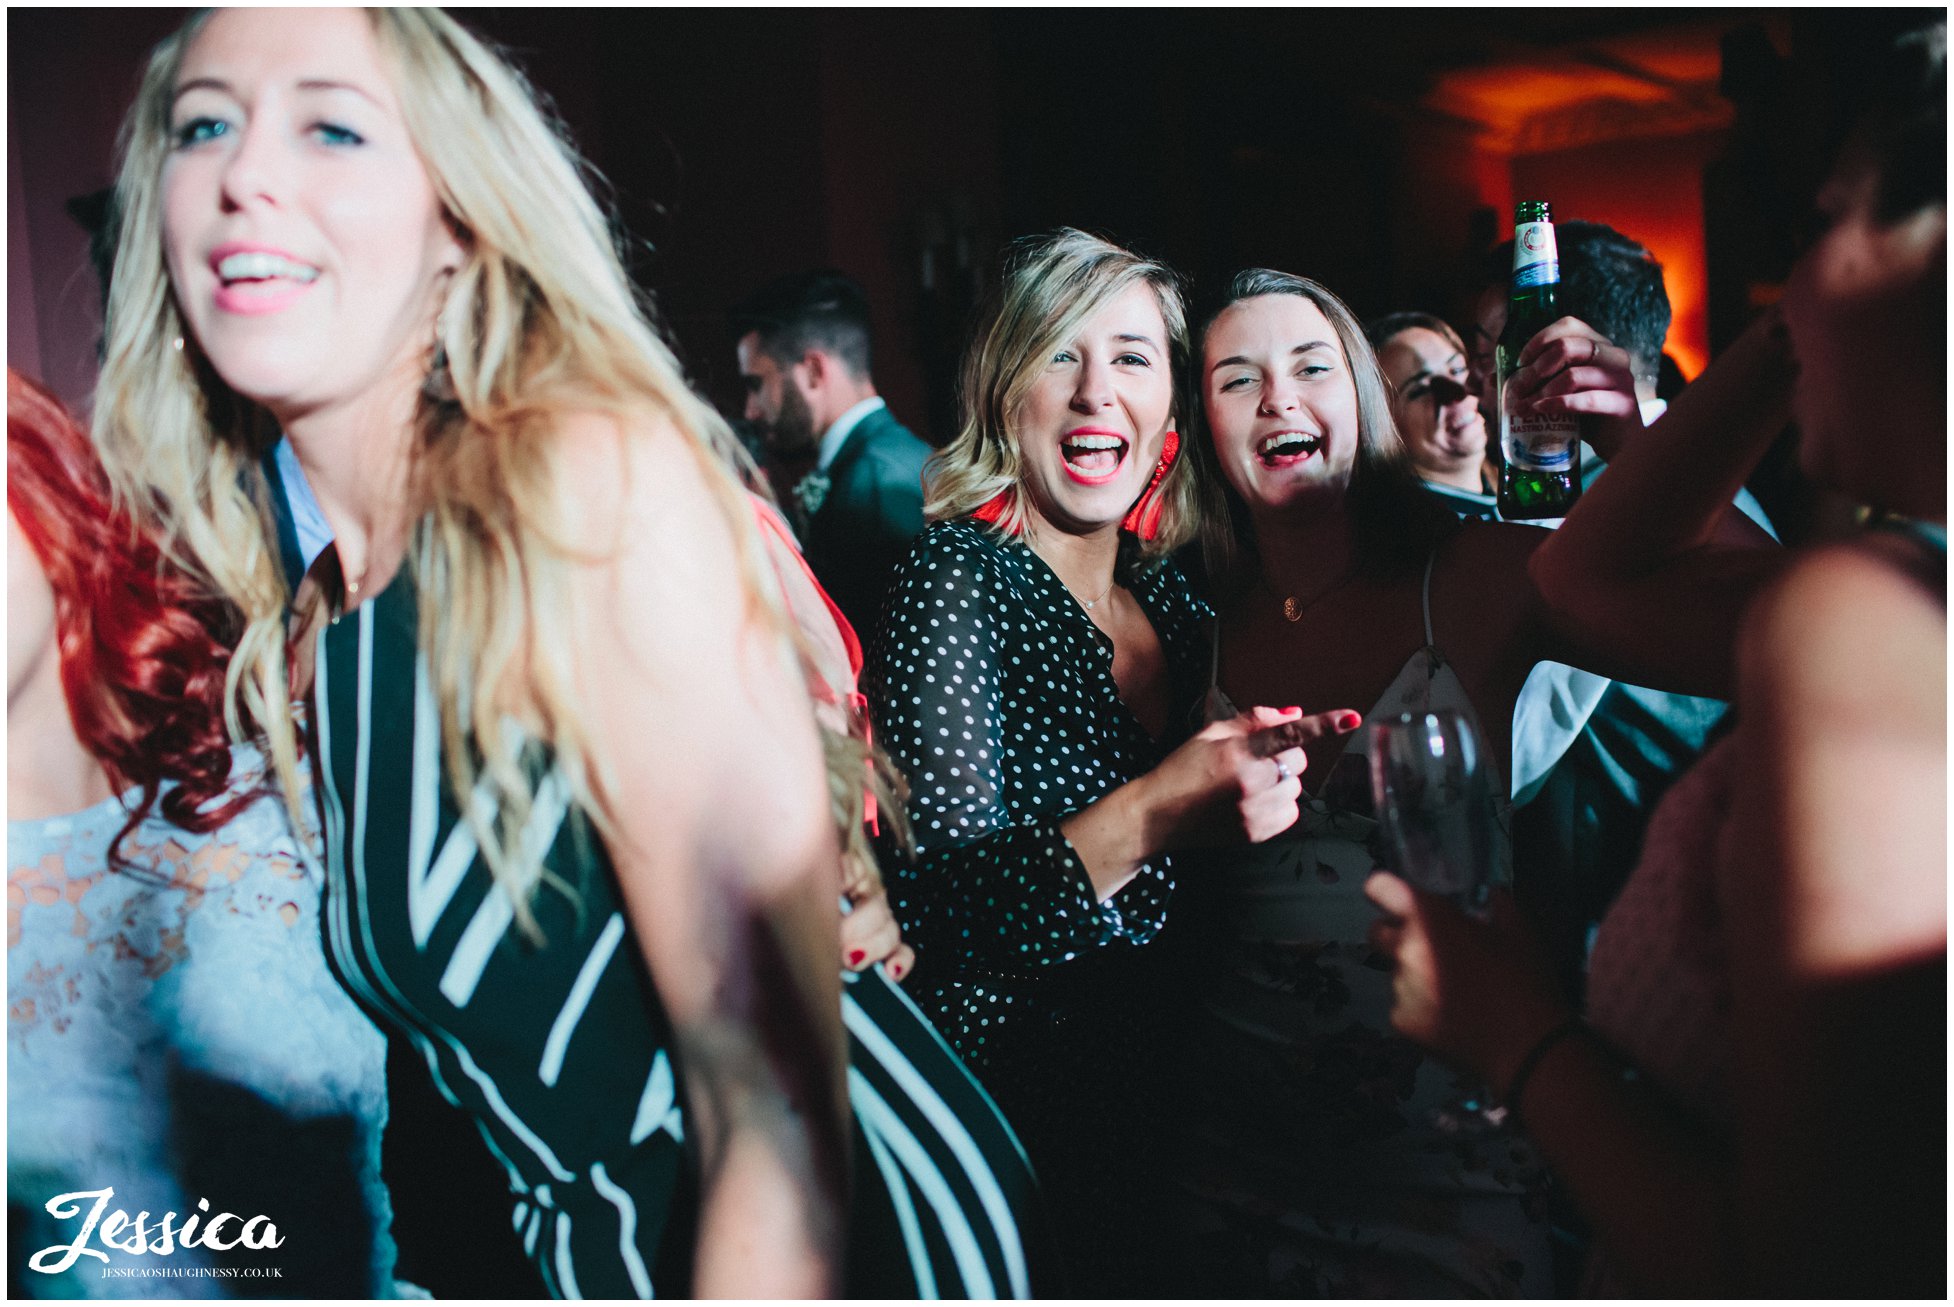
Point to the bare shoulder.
(632, 474)
(1847, 624)
(1842, 696)
(647, 519)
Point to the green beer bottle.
(1540, 455)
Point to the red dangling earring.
(994, 508)
(1143, 519)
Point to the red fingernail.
(1349, 721)
(855, 957)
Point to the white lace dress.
(173, 1033)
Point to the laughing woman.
(1035, 677)
(1332, 1158)
(579, 840)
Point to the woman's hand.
(1237, 781)
(869, 934)
(1477, 993)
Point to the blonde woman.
(580, 849)
(1039, 662)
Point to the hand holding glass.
(1429, 780)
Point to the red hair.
(142, 647)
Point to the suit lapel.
(857, 444)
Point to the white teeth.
(1285, 443)
(1094, 442)
(259, 266)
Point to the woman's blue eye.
(1063, 356)
(1236, 383)
(1312, 369)
(1140, 359)
(334, 134)
(198, 130)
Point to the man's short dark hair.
(824, 310)
(1608, 281)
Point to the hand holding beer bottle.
(1571, 370)
(1550, 371)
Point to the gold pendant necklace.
(1294, 608)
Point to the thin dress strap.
(1431, 641)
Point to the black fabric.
(557, 1045)
(994, 693)
(872, 512)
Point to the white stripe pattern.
(879, 1119)
(496, 911)
(424, 810)
(557, 1046)
(566, 1272)
(395, 999)
(898, 1187)
(658, 1105)
(627, 1230)
(953, 1134)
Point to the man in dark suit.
(803, 345)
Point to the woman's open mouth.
(1288, 448)
(254, 280)
(1093, 457)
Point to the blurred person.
(1034, 679)
(584, 835)
(1594, 756)
(1438, 415)
(1591, 756)
(805, 357)
(1774, 973)
(173, 1035)
(1329, 1156)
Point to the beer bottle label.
(1539, 443)
(1536, 261)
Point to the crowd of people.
(870, 872)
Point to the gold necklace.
(1294, 608)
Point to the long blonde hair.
(539, 319)
(1052, 284)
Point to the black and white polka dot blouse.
(993, 692)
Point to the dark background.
(1376, 150)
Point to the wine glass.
(1428, 778)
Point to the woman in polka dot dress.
(1036, 675)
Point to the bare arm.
(724, 851)
(1657, 1189)
(1835, 894)
(1654, 563)
(1834, 913)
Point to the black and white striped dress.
(561, 1053)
